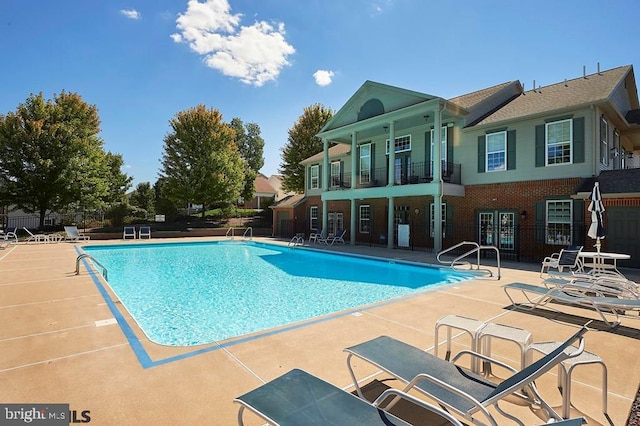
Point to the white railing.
(231, 232)
(476, 249)
(297, 240)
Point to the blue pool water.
(184, 294)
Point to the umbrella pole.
(598, 244)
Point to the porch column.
(392, 154)
(437, 178)
(325, 183)
(354, 177)
(390, 217)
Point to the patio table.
(602, 261)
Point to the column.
(354, 176)
(390, 217)
(392, 154)
(325, 184)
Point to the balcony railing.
(418, 172)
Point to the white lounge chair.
(144, 232)
(315, 236)
(11, 235)
(129, 232)
(36, 238)
(74, 235)
(338, 238)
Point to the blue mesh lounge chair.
(455, 388)
(144, 232)
(603, 305)
(338, 238)
(299, 398)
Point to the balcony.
(416, 174)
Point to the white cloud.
(131, 13)
(253, 54)
(323, 77)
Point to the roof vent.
(584, 71)
(598, 68)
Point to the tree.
(301, 144)
(52, 158)
(251, 147)
(201, 163)
(143, 197)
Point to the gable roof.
(334, 152)
(262, 186)
(289, 201)
(575, 93)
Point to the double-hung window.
(496, 157)
(365, 218)
(335, 174)
(403, 143)
(313, 217)
(365, 163)
(315, 177)
(559, 214)
(559, 141)
(604, 141)
(443, 147)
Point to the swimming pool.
(185, 294)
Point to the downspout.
(437, 174)
(595, 138)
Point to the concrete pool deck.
(60, 344)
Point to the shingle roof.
(289, 201)
(334, 152)
(470, 99)
(613, 182)
(262, 186)
(571, 93)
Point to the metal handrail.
(297, 240)
(477, 248)
(87, 256)
(230, 230)
(250, 231)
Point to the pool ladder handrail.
(296, 240)
(477, 249)
(250, 231)
(88, 256)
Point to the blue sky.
(263, 61)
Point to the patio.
(60, 344)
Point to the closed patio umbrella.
(596, 230)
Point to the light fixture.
(385, 128)
(523, 215)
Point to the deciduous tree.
(301, 144)
(201, 163)
(251, 147)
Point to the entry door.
(497, 228)
(401, 168)
(335, 223)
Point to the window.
(335, 174)
(365, 218)
(403, 143)
(432, 222)
(604, 141)
(315, 177)
(443, 148)
(559, 222)
(496, 152)
(365, 163)
(335, 223)
(559, 137)
(313, 217)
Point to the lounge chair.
(36, 238)
(315, 236)
(567, 258)
(74, 235)
(598, 284)
(299, 398)
(144, 232)
(129, 232)
(456, 389)
(338, 238)
(616, 306)
(11, 235)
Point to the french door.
(497, 228)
